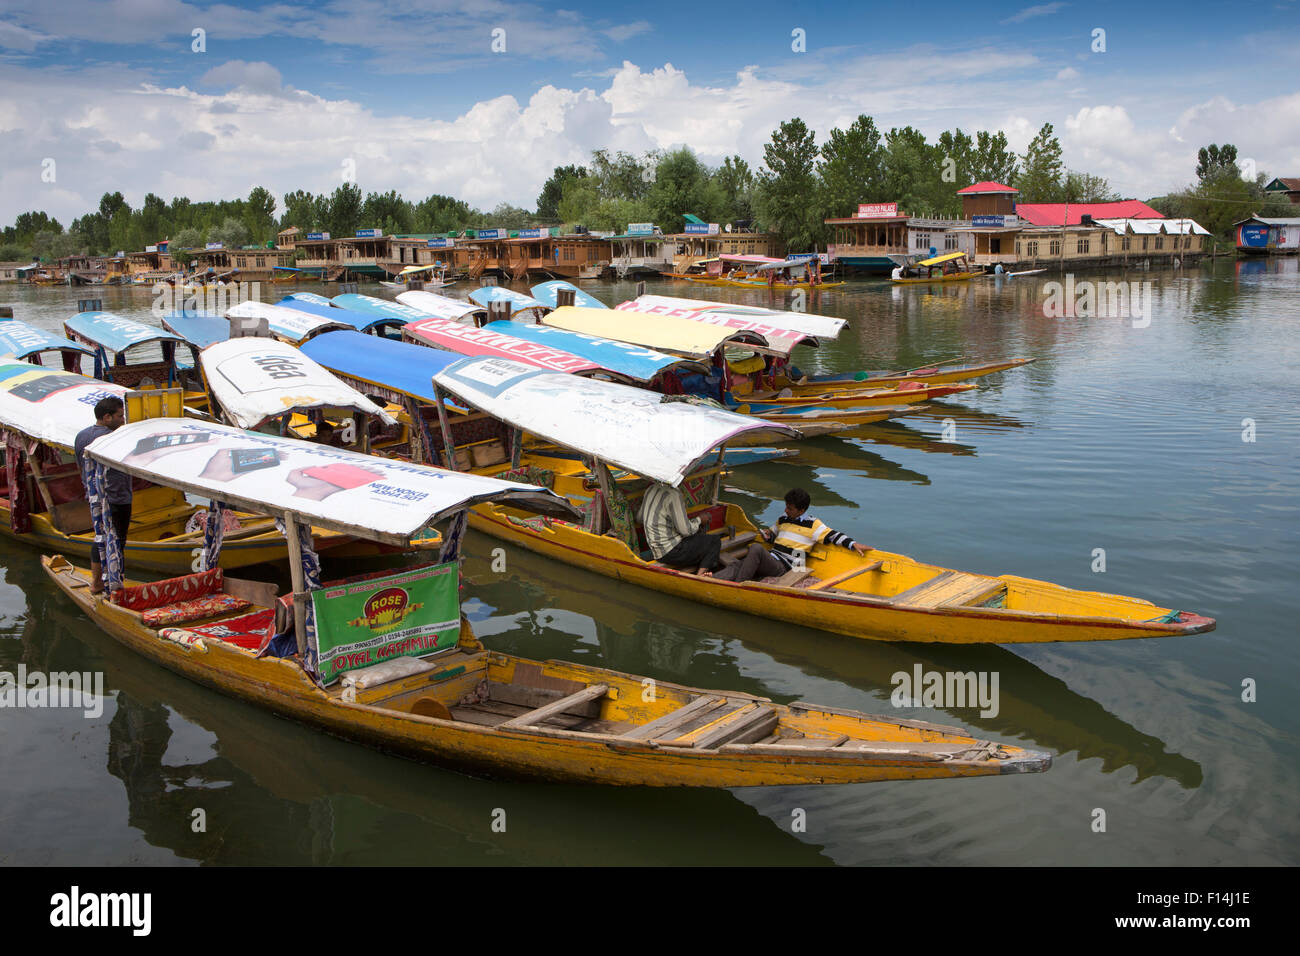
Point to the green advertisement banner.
(409, 614)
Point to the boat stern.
(1024, 761)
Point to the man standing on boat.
(674, 539)
(110, 414)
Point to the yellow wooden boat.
(937, 374)
(951, 267)
(481, 710)
(877, 596)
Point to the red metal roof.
(986, 187)
(1053, 213)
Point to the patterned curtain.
(214, 532)
(312, 582)
(20, 517)
(111, 547)
(455, 532)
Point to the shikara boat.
(41, 412)
(761, 272)
(937, 374)
(433, 305)
(431, 690)
(520, 306)
(367, 322)
(950, 267)
(809, 323)
(293, 326)
(112, 337)
(430, 275)
(549, 293)
(877, 596)
(31, 344)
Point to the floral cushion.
(142, 597)
(529, 475)
(698, 491)
(209, 605)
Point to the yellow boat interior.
(468, 684)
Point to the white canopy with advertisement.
(625, 426)
(290, 324)
(48, 405)
(254, 379)
(443, 307)
(374, 498)
(821, 326)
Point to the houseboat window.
(1126, 243)
(1160, 242)
(1032, 248)
(1054, 248)
(950, 242)
(261, 261)
(1082, 245)
(1144, 243)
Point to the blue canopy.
(518, 301)
(311, 297)
(199, 330)
(361, 321)
(371, 305)
(394, 366)
(630, 361)
(25, 340)
(546, 292)
(112, 332)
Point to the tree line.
(798, 185)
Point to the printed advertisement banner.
(410, 614)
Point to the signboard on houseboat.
(877, 210)
(998, 222)
(533, 233)
(318, 235)
(640, 228)
(490, 234)
(701, 229)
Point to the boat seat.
(672, 720)
(537, 715)
(949, 589)
(749, 722)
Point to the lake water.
(1125, 436)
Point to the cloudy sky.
(480, 100)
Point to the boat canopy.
(462, 339)
(48, 405)
(23, 341)
(411, 270)
(113, 333)
(442, 306)
(779, 264)
(285, 323)
(199, 331)
(780, 338)
(373, 305)
(751, 260)
(625, 426)
(255, 379)
(361, 321)
(632, 362)
(388, 365)
(821, 326)
(311, 297)
(547, 292)
(378, 499)
(519, 302)
(665, 333)
(946, 257)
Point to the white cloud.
(256, 77)
(1040, 10)
(1069, 73)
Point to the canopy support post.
(603, 479)
(299, 586)
(448, 449)
(516, 447)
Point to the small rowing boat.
(391, 662)
(950, 267)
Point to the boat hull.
(279, 685)
(838, 613)
(934, 375)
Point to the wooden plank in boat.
(661, 725)
(554, 708)
(841, 578)
(949, 589)
(743, 721)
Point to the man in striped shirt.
(674, 539)
(794, 532)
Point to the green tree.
(787, 187)
(259, 214)
(342, 213)
(1041, 176)
(993, 160)
(548, 200)
(913, 170)
(622, 175)
(852, 168)
(735, 182)
(1085, 187)
(232, 233)
(438, 213)
(579, 200)
(301, 210)
(681, 184)
(387, 211)
(1213, 161)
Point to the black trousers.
(699, 550)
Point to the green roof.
(695, 219)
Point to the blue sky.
(412, 94)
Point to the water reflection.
(645, 632)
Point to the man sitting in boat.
(674, 539)
(110, 414)
(794, 535)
